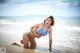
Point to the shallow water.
(63, 36)
(66, 36)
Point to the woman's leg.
(25, 40)
(32, 41)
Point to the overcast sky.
(40, 7)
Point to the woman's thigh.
(25, 40)
(32, 41)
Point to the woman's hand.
(33, 30)
(38, 36)
(50, 49)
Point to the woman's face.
(48, 21)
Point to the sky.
(63, 8)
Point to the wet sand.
(6, 41)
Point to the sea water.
(66, 31)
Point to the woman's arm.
(50, 39)
(33, 30)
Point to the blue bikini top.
(41, 32)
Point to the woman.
(37, 31)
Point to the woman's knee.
(34, 44)
(24, 33)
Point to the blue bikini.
(40, 31)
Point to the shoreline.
(7, 39)
(39, 49)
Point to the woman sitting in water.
(37, 31)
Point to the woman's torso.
(40, 30)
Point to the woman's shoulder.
(49, 28)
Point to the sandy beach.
(7, 39)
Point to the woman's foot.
(16, 44)
(21, 41)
